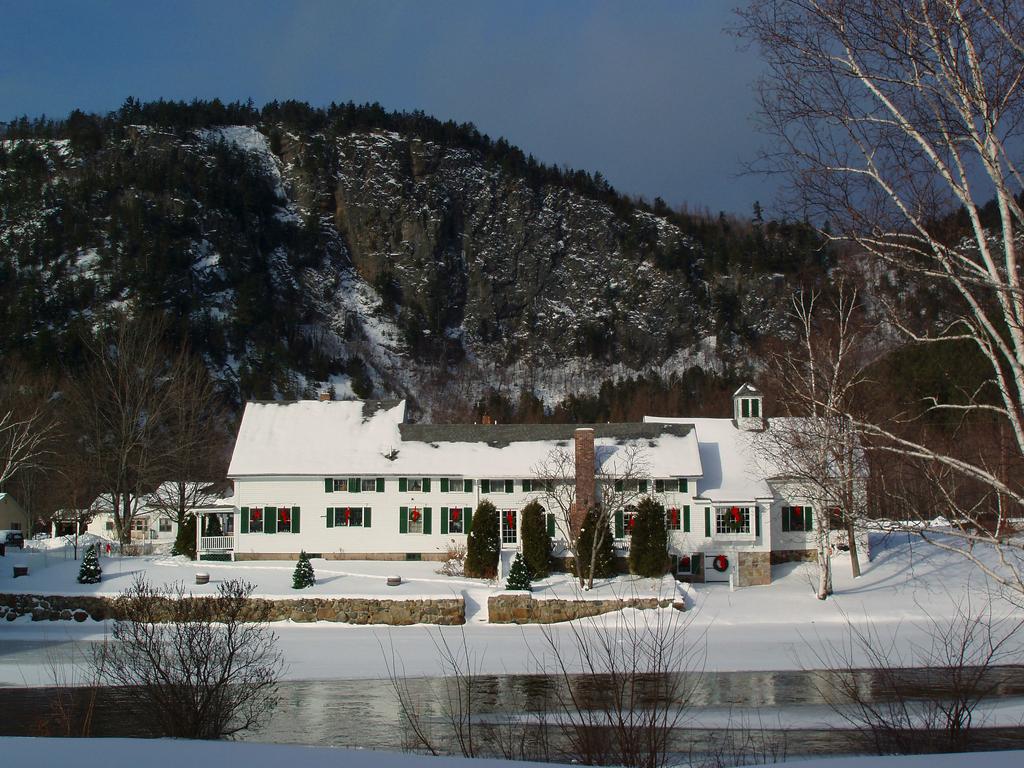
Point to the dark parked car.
(13, 539)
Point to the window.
(797, 519)
(631, 486)
(369, 484)
(255, 520)
(508, 526)
(138, 525)
(284, 519)
(341, 484)
(674, 519)
(671, 485)
(452, 485)
(415, 520)
(109, 525)
(495, 486)
(456, 520)
(165, 525)
(684, 565)
(348, 517)
(415, 484)
(732, 520)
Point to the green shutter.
(330, 517)
(684, 485)
(755, 408)
(618, 486)
(366, 517)
(485, 486)
(808, 519)
(467, 486)
(426, 485)
(756, 512)
(510, 486)
(707, 522)
(355, 485)
(380, 485)
(244, 525)
(328, 485)
(270, 519)
(643, 486)
(619, 528)
(467, 519)
(444, 489)
(659, 486)
(785, 520)
(745, 407)
(295, 519)
(527, 486)
(426, 520)
(444, 517)
(551, 524)
(403, 485)
(403, 520)
(697, 564)
(686, 518)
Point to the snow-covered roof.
(342, 438)
(746, 389)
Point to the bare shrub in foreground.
(197, 667)
(899, 713)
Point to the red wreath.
(736, 515)
(348, 515)
(283, 511)
(631, 522)
(674, 515)
(721, 563)
(255, 514)
(798, 512)
(455, 515)
(510, 519)
(684, 563)
(414, 515)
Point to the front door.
(509, 530)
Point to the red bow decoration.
(256, 515)
(284, 515)
(455, 515)
(684, 562)
(674, 514)
(736, 514)
(798, 511)
(414, 515)
(510, 519)
(632, 522)
(348, 514)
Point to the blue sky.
(653, 94)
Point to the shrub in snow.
(455, 560)
(536, 541)
(213, 526)
(594, 549)
(90, 571)
(484, 542)
(518, 574)
(303, 576)
(648, 548)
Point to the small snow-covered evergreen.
(519, 575)
(303, 576)
(90, 572)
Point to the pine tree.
(648, 548)
(519, 575)
(90, 571)
(483, 545)
(185, 541)
(303, 576)
(536, 541)
(213, 526)
(604, 563)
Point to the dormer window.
(747, 407)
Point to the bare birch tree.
(887, 115)
(816, 448)
(617, 480)
(28, 425)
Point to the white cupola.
(748, 408)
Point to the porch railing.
(216, 543)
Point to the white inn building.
(354, 480)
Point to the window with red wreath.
(674, 519)
(732, 519)
(255, 520)
(284, 519)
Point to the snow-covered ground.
(777, 627)
(129, 753)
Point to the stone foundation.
(347, 610)
(753, 569)
(793, 556)
(518, 608)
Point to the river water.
(771, 713)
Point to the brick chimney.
(326, 395)
(585, 484)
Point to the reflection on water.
(365, 713)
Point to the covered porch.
(215, 532)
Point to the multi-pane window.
(138, 525)
(797, 519)
(415, 520)
(255, 520)
(671, 485)
(341, 484)
(456, 520)
(348, 517)
(415, 484)
(109, 525)
(674, 519)
(508, 526)
(732, 520)
(369, 483)
(284, 519)
(165, 525)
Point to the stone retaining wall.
(780, 556)
(753, 569)
(348, 610)
(519, 608)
